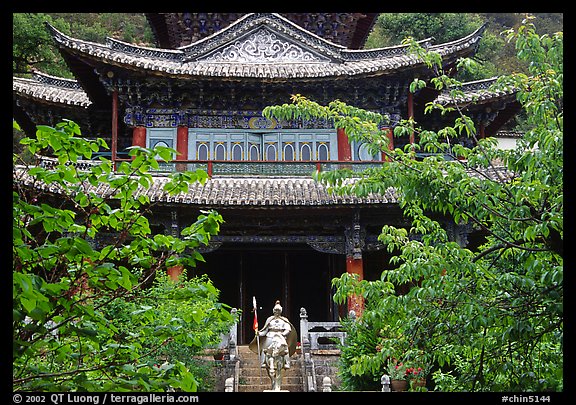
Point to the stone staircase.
(255, 379)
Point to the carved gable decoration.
(263, 38)
(263, 46)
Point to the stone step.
(254, 378)
(254, 384)
(294, 370)
(294, 365)
(262, 388)
(252, 358)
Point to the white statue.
(276, 343)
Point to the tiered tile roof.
(264, 191)
(255, 191)
(262, 46)
(477, 92)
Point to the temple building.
(202, 90)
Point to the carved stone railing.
(315, 337)
(320, 335)
(229, 343)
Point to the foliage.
(84, 318)
(127, 27)
(182, 305)
(488, 319)
(443, 27)
(357, 354)
(497, 56)
(34, 48)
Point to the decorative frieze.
(172, 118)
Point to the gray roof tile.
(256, 191)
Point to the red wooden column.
(182, 143)
(174, 272)
(411, 113)
(344, 147)
(139, 136)
(390, 135)
(481, 131)
(354, 261)
(355, 266)
(114, 146)
(181, 146)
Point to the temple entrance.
(297, 276)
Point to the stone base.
(275, 391)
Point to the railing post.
(229, 385)
(307, 362)
(326, 384)
(304, 336)
(385, 381)
(232, 346)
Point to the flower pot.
(219, 355)
(420, 382)
(399, 385)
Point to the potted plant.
(397, 373)
(416, 377)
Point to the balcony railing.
(243, 167)
(259, 168)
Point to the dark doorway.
(263, 278)
(297, 276)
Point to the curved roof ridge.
(58, 81)
(54, 89)
(385, 51)
(474, 37)
(65, 39)
(112, 44)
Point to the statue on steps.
(274, 344)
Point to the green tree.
(392, 28)
(90, 312)
(497, 55)
(484, 320)
(32, 46)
